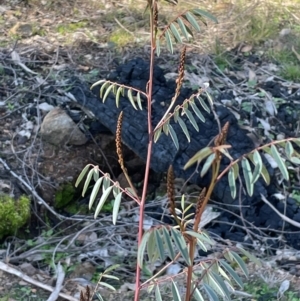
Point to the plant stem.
(190, 269)
(149, 151)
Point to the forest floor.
(41, 43)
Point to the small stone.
(59, 129)
(28, 269)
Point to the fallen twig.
(285, 218)
(59, 282)
(13, 271)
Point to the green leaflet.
(116, 207)
(82, 174)
(175, 292)
(130, 97)
(159, 245)
(205, 14)
(191, 119)
(169, 41)
(281, 165)
(157, 293)
(231, 181)
(95, 192)
(203, 104)
(258, 166)
(240, 262)
(102, 200)
(142, 247)
(212, 295)
(107, 92)
(184, 128)
(197, 111)
(173, 136)
(157, 134)
(183, 28)
(193, 21)
(232, 273)
(209, 161)
(168, 241)
(181, 245)
(87, 181)
(175, 33)
(158, 47)
(198, 157)
(248, 176)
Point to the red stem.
(149, 151)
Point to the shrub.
(13, 214)
(212, 277)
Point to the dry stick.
(6, 268)
(285, 218)
(123, 27)
(59, 282)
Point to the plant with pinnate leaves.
(212, 278)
